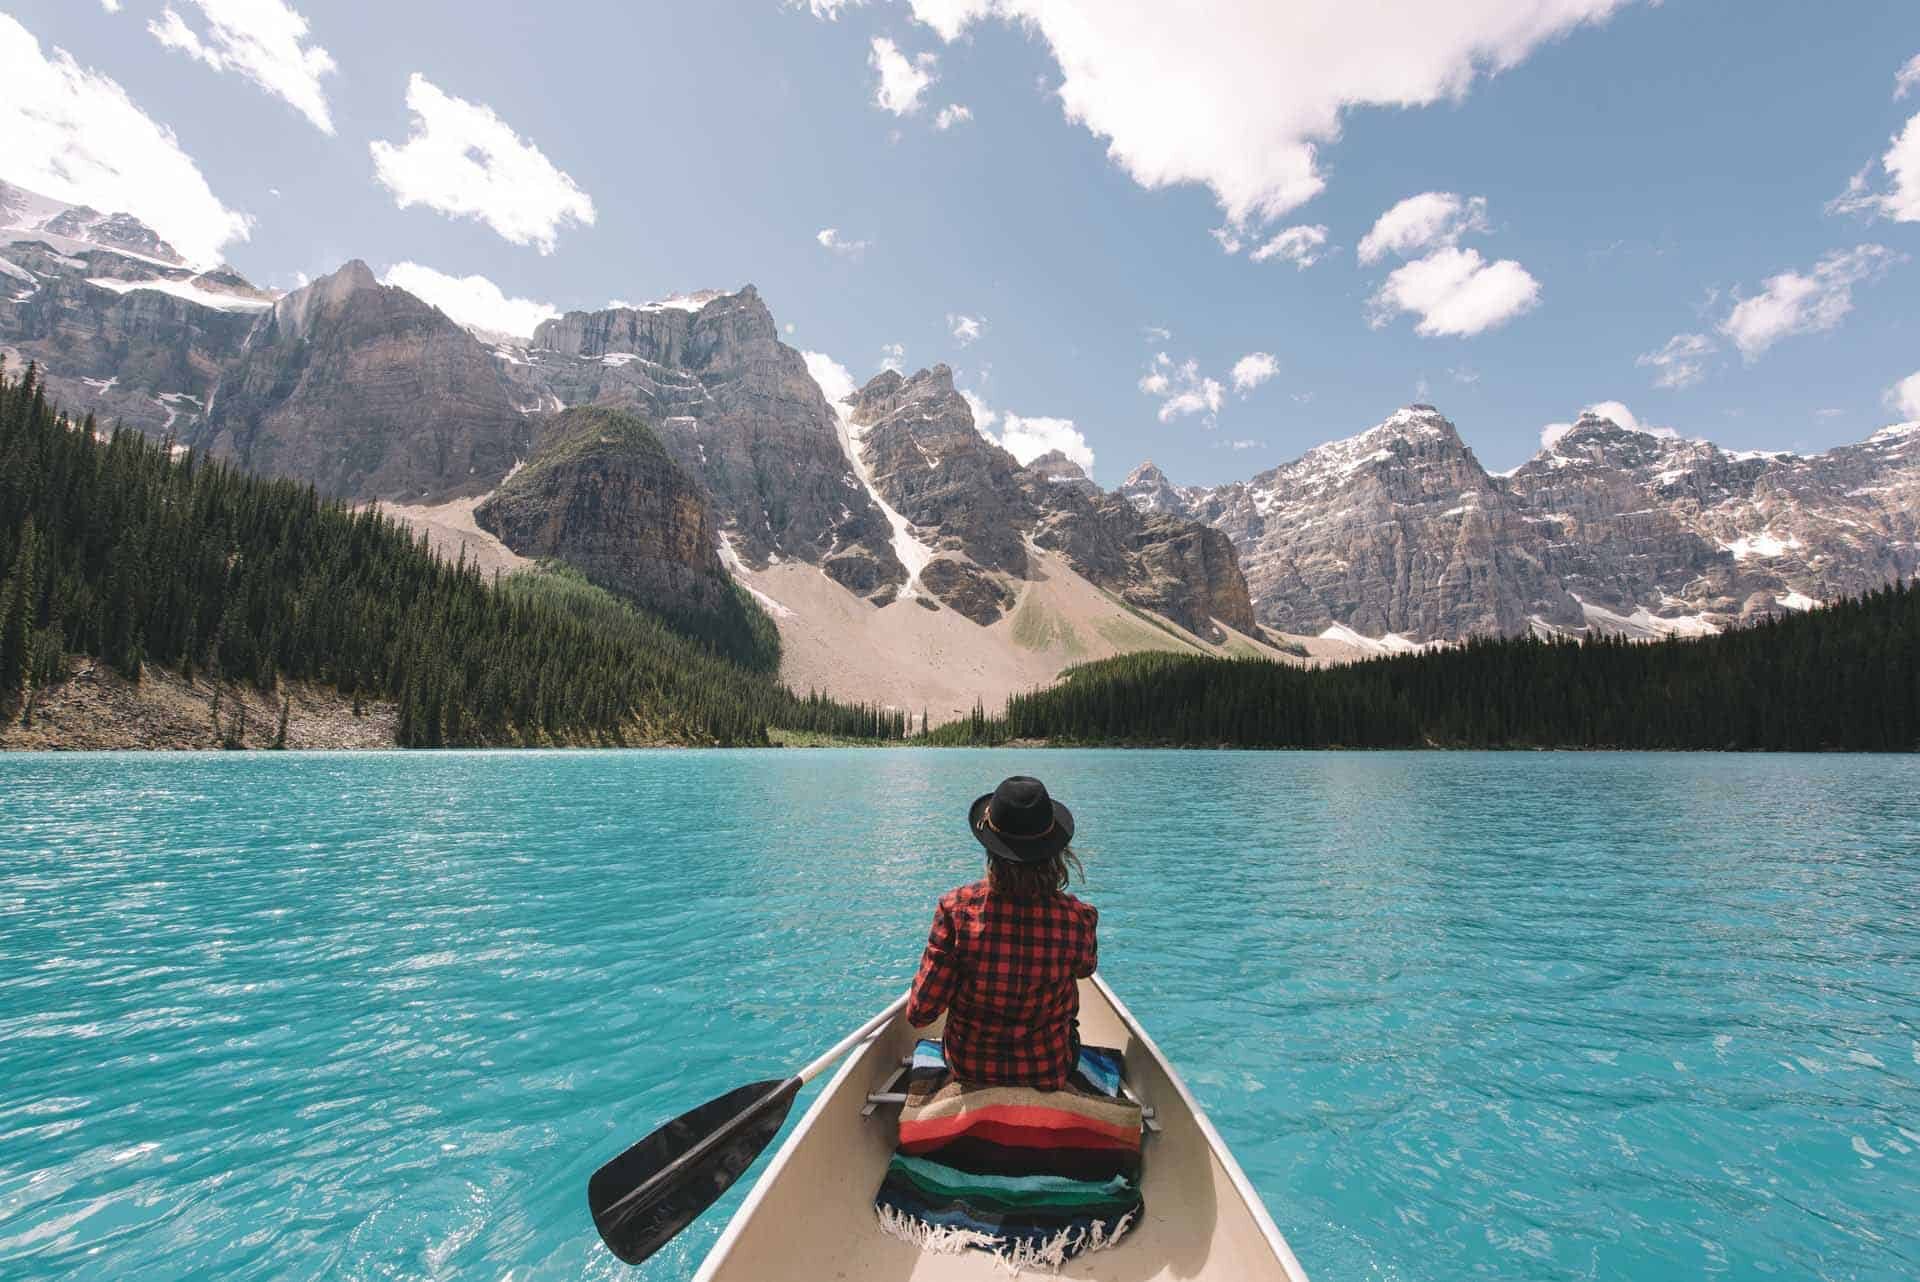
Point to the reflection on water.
(1526, 1016)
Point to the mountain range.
(1398, 536)
(666, 448)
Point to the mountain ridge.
(1645, 534)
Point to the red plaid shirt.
(1004, 970)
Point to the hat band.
(986, 817)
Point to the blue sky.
(1735, 184)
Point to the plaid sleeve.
(939, 971)
(1089, 958)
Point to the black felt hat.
(1020, 823)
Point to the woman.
(1004, 953)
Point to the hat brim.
(1017, 850)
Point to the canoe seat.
(892, 1092)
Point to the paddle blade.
(682, 1168)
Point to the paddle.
(656, 1188)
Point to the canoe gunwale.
(856, 1059)
(1221, 1153)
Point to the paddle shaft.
(785, 1090)
(847, 1043)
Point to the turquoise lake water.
(1516, 1016)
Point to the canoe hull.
(810, 1215)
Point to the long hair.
(1034, 881)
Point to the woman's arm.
(1089, 959)
(939, 972)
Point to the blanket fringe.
(1016, 1257)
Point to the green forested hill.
(1843, 677)
(119, 550)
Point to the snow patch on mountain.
(187, 290)
(1391, 643)
(730, 558)
(673, 302)
(836, 384)
(1765, 545)
(1643, 624)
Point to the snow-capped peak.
(73, 229)
(672, 302)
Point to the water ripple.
(1521, 1016)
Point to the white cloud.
(1804, 303)
(1243, 445)
(903, 81)
(1904, 396)
(464, 161)
(1463, 375)
(1252, 370)
(1681, 363)
(893, 356)
(1028, 438)
(73, 134)
(1300, 246)
(1620, 416)
(1433, 218)
(265, 41)
(111, 6)
(1229, 238)
(830, 239)
(1157, 333)
(836, 384)
(1550, 434)
(1902, 163)
(950, 17)
(1901, 200)
(1908, 78)
(983, 417)
(966, 329)
(471, 300)
(825, 9)
(1181, 388)
(1238, 95)
(956, 114)
(1456, 293)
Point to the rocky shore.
(97, 709)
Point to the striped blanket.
(1035, 1177)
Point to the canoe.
(810, 1215)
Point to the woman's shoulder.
(1080, 908)
(968, 896)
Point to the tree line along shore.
(123, 559)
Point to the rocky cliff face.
(1171, 565)
(368, 393)
(1056, 468)
(602, 494)
(925, 458)
(738, 410)
(1399, 531)
(972, 502)
(1684, 529)
(1149, 490)
(119, 326)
